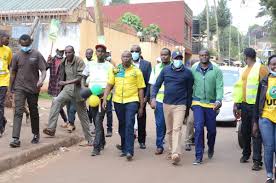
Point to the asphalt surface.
(76, 165)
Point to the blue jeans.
(71, 112)
(126, 116)
(160, 125)
(268, 132)
(109, 115)
(204, 116)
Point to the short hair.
(89, 49)
(69, 46)
(4, 34)
(250, 52)
(205, 50)
(270, 58)
(25, 37)
(167, 49)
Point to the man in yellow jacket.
(245, 92)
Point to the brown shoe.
(71, 128)
(49, 132)
(159, 151)
(176, 159)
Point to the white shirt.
(97, 73)
(137, 64)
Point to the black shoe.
(256, 166)
(95, 152)
(119, 147)
(188, 147)
(129, 156)
(143, 146)
(15, 143)
(244, 159)
(210, 154)
(122, 155)
(35, 139)
(108, 134)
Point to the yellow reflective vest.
(251, 85)
(157, 69)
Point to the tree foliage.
(133, 21)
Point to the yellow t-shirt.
(269, 110)
(5, 60)
(126, 84)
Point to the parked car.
(230, 77)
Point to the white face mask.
(177, 63)
(273, 73)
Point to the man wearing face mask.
(165, 57)
(207, 97)
(178, 82)
(244, 94)
(26, 83)
(145, 67)
(128, 98)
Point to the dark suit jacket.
(145, 67)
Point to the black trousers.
(3, 92)
(142, 127)
(247, 111)
(97, 118)
(20, 99)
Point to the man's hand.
(255, 130)
(145, 100)
(62, 83)
(236, 111)
(217, 105)
(49, 60)
(39, 84)
(140, 112)
(104, 104)
(153, 103)
(187, 112)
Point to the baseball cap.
(176, 54)
(100, 46)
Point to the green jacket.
(79, 66)
(208, 86)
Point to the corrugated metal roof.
(19, 6)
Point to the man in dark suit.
(145, 67)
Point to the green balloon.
(96, 90)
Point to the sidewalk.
(12, 157)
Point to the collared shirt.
(137, 64)
(69, 76)
(27, 67)
(5, 60)
(97, 73)
(126, 83)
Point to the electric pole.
(217, 28)
(208, 24)
(99, 21)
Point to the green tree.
(203, 22)
(224, 14)
(133, 21)
(119, 1)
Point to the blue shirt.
(178, 86)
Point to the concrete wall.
(118, 42)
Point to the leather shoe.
(35, 139)
(159, 151)
(243, 159)
(15, 143)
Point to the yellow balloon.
(93, 101)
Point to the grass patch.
(45, 95)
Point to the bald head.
(126, 59)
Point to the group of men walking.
(175, 92)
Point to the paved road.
(76, 165)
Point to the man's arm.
(107, 91)
(190, 90)
(14, 69)
(149, 69)
(85, 75)
(141, 101)
(42, 67)
(219, 89)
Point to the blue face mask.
(272, 73)
(177, 63)
(135, 56)
(26, 49)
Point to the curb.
(11, 161)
